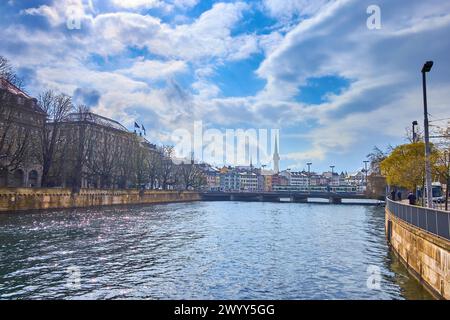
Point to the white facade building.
(248, 181)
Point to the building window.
(33, 179)
(17, 180)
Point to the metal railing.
(433, 221)
(440, 206)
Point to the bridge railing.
(433, 221)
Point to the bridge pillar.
(335, 200)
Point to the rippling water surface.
(202, 250)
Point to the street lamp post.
(332, 173)
(414, 135)
(309, 175)
(427, 68)
(365, 171)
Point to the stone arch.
(3, 177)
(33, 177)
(17, 178)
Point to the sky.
(332, 84)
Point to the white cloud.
(154, 69)
(330, 39)
(207, 37)
(290, 8)
(47, 11)
(133, 4)
(384, 66)
(60, 11)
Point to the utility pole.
(365, 171)
(448, 182)
(332, 174)
(309, 175)
(427, 68)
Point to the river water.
(202, 250)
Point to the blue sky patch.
(317, 89)
(238, 78)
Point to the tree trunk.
(78, 170)
(45, 171)
(446, 193)
(448, 183)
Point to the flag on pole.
(136, 125)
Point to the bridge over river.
(299, 197)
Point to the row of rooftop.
(249, 178)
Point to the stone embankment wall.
(23, 199)
(426, 256)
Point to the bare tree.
(57, 107)
(8, 73)
(166, 168)
(153, 160)
(191, 176)
(102, 157)
(375, 157)
(409, 135)
(82, 141)
(141, 164)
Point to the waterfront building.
(261, 183)
(21, 122)
(318, 180)
(248, 181)
(279, 180)
(212, 178)
(299, 179)
(376, 185)
(101, 152)
(224, 170)
(296, 178)
(267, 179)
(230, 180)
(356, 179)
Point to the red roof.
(6, 85)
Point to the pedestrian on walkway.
(412, 198)
(393, 195)
(399, 196)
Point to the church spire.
(276, 157)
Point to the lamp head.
(427, 66)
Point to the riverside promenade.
(25, 199)
(420, 237)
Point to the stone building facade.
(106, 149)
(21, 120)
